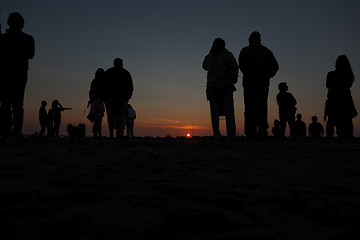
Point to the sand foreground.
(159, 188)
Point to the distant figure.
(258, 65)
(119, 89)
(54, 117)
(315, 128)
(276, 130)
(287, 109)
(130, 121)
(17, 48)
(96, 95)
(43, 118)
(340, 107)
(299, 127)
(222, 74)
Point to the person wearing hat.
(286, 102)
(258, 65)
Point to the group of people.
(112, 88)
(258, 65)
(50, 120)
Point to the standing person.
(43, 118)
(287, 109)
(258, 65)
(55, 117)
(17, 48)
(222, 74)
(130, 121)
(299, 127)
(96, 95)
(119, 90)
(340, 107)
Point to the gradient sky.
(163, 44)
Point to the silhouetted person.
(119, 89)
(222, 74)
(54, 117)
(258, 65)
(276, 130)
(299, 127)
(17, 48)
(43, 118)
(130, 121)
(315, 128)
(97, 96)
(287, 109)
(340, 108)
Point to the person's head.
(55, 103)
(298, 116)
(43, 103)
(343, 65)
(314, 118)
(118, 63)
(100, 72)
(218, 45)
(283, 87)
(15, 21)
(255, 37)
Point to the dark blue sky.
(163, 44)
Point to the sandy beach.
(168, 188)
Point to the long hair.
(218, 45)
(343, 66)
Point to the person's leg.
(214, 113)
(110, 117)
(228, 106)
(250, 112)
(283, 120)
(262, 112)
(18, 102)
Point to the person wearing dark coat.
(340, 107)
(119, 89)
(222, 73)
(258, 65)
(286, 102)
(17, 48)
(97, 96)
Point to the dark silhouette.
(287, 109)
(55, 118)
(258, 65)
(43, 118)
(276, 130)
(340, 108)
(130, 121)
(119, 90)
(299, 127)
(17, 48)
(222, 74)
(76, 132)
(96, 95)
(315, 128)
